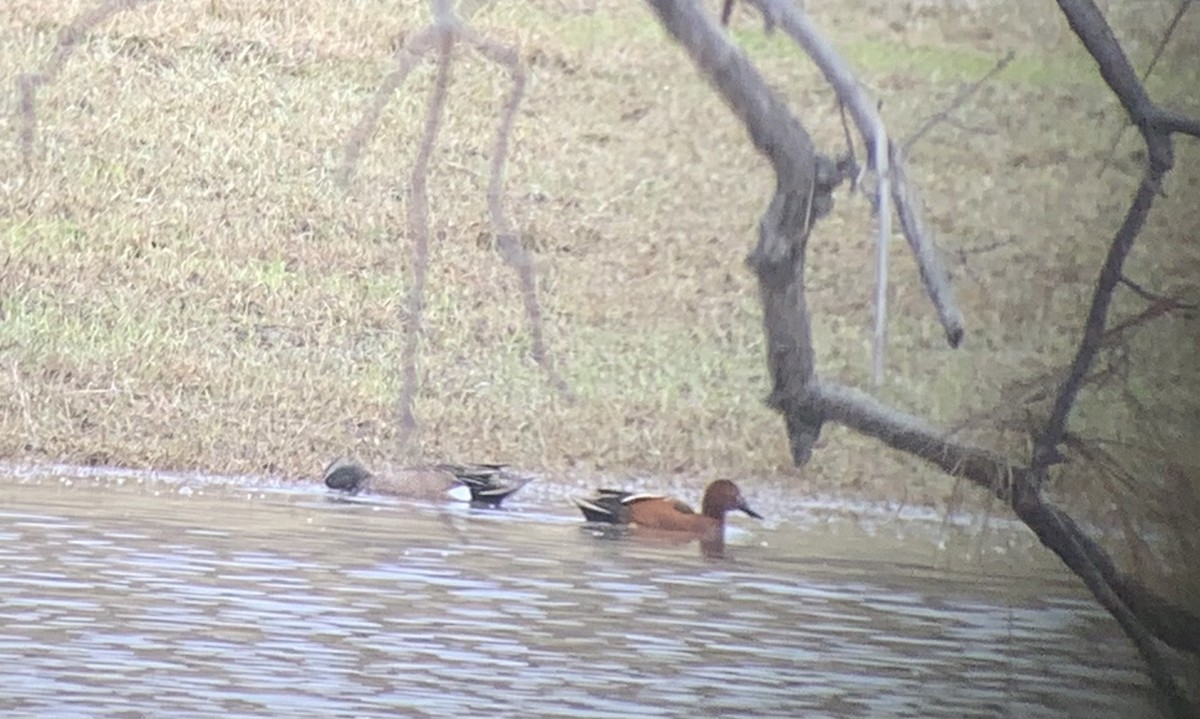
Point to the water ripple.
(199, 604)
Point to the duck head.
(724, 496)
(345, 475)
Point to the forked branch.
(892, 183)
(1093, 30)
(778, 259)
(448, 29)
(1143, 615)
(801, 196)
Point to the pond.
(130, 596)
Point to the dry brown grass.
(183, 284)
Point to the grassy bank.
(183, 285)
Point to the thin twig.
(964, 252)
(959, 100)
(855, 176)
(1158, 51)
(883, 239)
(1149, 296)
(972, 129)
(1019, 399)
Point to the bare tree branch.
(1093, 30)
(69, 38)
(934, 276)
(1089, 25)
(407, 58)
(1158, 51)
(1016, 486)
(797, 26)
(779, 261)
(891, 185)
(1045, 451)
(855, 170)
(511, 249)
(958, 101)
(778, 257)
(446, 29)
(418, 227)
(1171, 122)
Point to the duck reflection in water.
(669, 519)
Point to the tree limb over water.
(804, 182)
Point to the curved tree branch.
(800, 198)
(887, 162)
(1142, 614)
(1093, 30)
(801, 195)
(69, 38)
(511, 249)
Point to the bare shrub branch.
(418, 227)
(69, 38)
(511, 249)
(446, 30)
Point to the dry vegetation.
(183, 284)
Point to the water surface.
(134, 597)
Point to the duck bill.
(745, 508)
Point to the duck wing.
(488, 483)
(612, 506)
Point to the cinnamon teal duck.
(655, 511)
